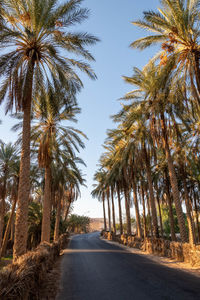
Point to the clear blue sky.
(110, 20)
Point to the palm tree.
(133, 139)
(66, 177)
(35, 32)
(176, 26)
(113, 209)
(71, 194)
(99, 192)
(52, 139)
(124, 153)
(158, 90)
(162, 172)
(112, 162)
(108, 203)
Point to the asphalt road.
(93, 269)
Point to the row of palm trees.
(78, 224)
(40, 83)
(152, 158)
(50, 149)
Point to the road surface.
(93, 269)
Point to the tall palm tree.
(99, 192)
(124, 153)
(158, 90)
(35, 32)
(176, 26)
(66, 176)
(113, 163)
(51, 139)
(134, 138)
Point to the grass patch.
(5, 261)
(7, 257)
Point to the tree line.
(151, 159)
(39, 59)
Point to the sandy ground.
(161, 260)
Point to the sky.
(110, 21)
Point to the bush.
(29, 276)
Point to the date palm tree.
(158, 90)
(133, 137)
(66, 176)
(176, 27)
(99, 192)
(52, 139)
(38, 44)
(120, 153)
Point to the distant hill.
(96, 224)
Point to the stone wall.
(174, 250)
(31, 274)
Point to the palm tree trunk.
(67, 209)
(12, 230)
(104, 211)
(173, 181)
(127, 204)
(137, 214)
(113, 211)
(149, 212)
(57, 224)
(108, 201)
(8, 227)
(191, 226)
(129, 213)
(169, 202)
(21, 223)
(197, 217)
(144, 211)
(151, 193)
(46, 217)
(2, 211)
(128, 217)
(160, 217)
(159, 210)
(120, 209)
(197, 70)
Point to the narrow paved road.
(95, 270)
